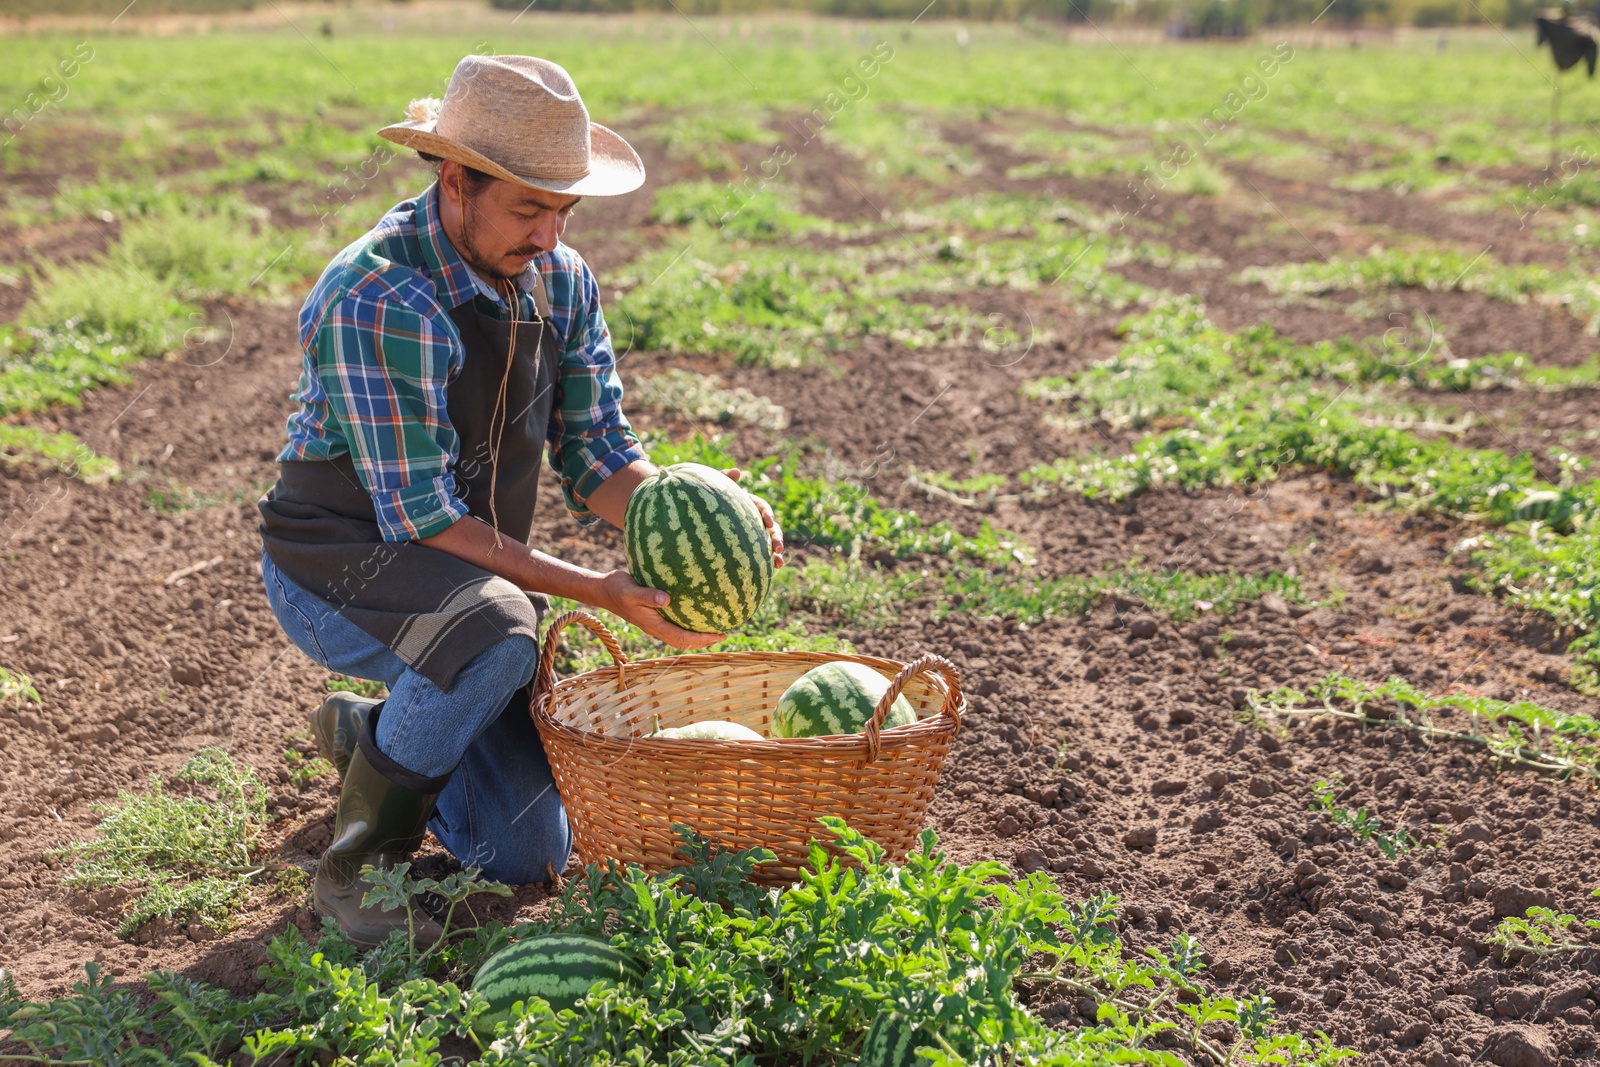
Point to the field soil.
(1106, 749)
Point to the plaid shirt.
(380, 350)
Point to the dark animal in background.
(1571, 38)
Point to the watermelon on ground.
(558, 967)
(836, 698)
(692, 531)
(892, 1042)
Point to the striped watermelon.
(836, 698)
(1555, 509)
(558, 967)
(693, 532)
(892, 1042)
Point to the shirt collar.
(454, 281)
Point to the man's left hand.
(767, 517)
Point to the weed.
(1436, 270)
(63, 452)
(767, 215)
(1538, 932)
(193, 856)
(17, 688)
(687, 395)
(303, 771)
(174, 498)
(366, 687)
(1364, 826)
(1521, 733)
(1178, 594)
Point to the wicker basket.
(623, 791)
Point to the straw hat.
(520, 119)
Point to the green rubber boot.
(336, 725)
(382, 817)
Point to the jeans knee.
(510, 661)
(525, 851)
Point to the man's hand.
(624, 597)
(767, 517)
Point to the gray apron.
(435, 611)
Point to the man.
(443, 351)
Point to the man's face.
(497, 229)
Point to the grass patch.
(788, 306)
(1174, 358)
(1436, 270)
(706, 138)
(1226, 420)
(1009, 214)
(1177, 594)
(735, 212)
(88, 320)
(193, 857)
(174, 498)
(702, 398)
(63, 452)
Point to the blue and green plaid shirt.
(380, 349)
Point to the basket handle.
(544, 680)
(921, 665)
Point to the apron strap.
(540, 301)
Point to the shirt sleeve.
(590, 438)
(385, 368)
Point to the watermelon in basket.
(624, 789)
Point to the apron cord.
(500, 413)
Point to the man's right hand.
(640, 605)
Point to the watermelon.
(1554, 509)
(558, 967)
(711, 730)
(836, 698)
(692, 531)
(892, 1042)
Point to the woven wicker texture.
(624, 791)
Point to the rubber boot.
(382, 817)
(336, 725)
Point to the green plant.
(17, 688)
(1179, 594)
(1538, 932)
(394, 887)
(735, 971)
(192, 856)
(175, 498)
(63, 452)
(1520, 733)
(688, 395)
(1436, 270)
(303, 771)
(366, 687)
(1365, 826)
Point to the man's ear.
(450, 181)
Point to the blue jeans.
(500, 810)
